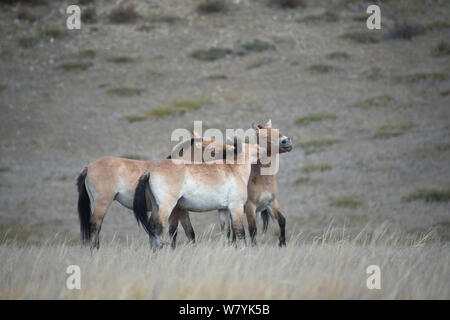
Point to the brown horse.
(111, 178)
(261, 190)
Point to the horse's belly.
(125, 200)
(265, 199)
(204, 198)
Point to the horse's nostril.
(283, 142)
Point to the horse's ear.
(269, 124)
(196, 135)
(255, 126)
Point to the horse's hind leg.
(96, 220)
(281, 222)
(187, 226)
(251, 219)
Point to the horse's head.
(266, 135)
(207, 145)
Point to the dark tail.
(84, 206)
(265, 216)
(140, 203)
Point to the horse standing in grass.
(186, 186)
(111, 178)
(263, 188)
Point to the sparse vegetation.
(445, 93)
(377, 101)
(53, 32)
(89, 15)
(301, 180)
(211, 54)
(132, 156)
(121, 59)
(321, 68)
(24, 13)
(76, 65)
(338, 55)
(124, 91)
(87, 54)
(442, 49)
(364, 37)
(436, 25)
(135, 118)
(315, 117)
(178, 107)
(163, 18)
(256, 45)
(316, 145)
(288, 4)
(212, 6)
(443, 147)
(217, 77)
(406, 30)
(392, 130)
(349, 202)
(312, 167)
(327, 16)
(5, 169)
(124, 13)
(423, 76)
(260, 62)
(28, 41)
(2, 87)
(429, 195)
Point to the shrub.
(124, 13)
(288, 4)
(212, 6)
(429, 195)
(212, 54)
(442, 49)
(406, 30)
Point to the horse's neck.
(256, 172)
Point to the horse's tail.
(265, 216)
(84, 206)
(140, 203)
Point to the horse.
(176, 186)
(112, 178)
(262, 189)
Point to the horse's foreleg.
(224, 218)
(237, 222)
(251, 219)
(281, 222)
(158, 222)
(173, 226)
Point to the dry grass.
(330, 266)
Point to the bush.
(212, 6)
(124, 13)
(406, 30)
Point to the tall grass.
(331, 266)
